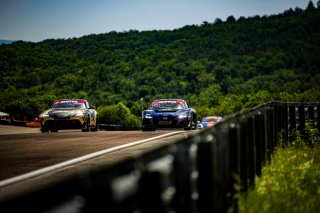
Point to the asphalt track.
(9, 130)
(24, 151)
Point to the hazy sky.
(36, 20)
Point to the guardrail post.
(280, 120)
(206, 168)
(292, 116)
(267, 135)
(318, 117)
(97, 193)
(222, 176)
(311, 115)
(251, 151)
(258, 142)
(263, 139)
(272, 130)
(182, 175)
(234, 153)
(277, 114)
(156, 184)
(302, 120)
(150, 192)
(244, 153)
(285, 120)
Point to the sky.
(37, 20)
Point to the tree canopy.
(219, 67)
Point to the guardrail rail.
(198, 174)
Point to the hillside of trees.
(218, 67)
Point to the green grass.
(291, 182)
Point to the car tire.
(194, 125)
(190, 125)
(194, 121)
(95, 128)
(44, 130)
(87, 126)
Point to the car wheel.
(194, 125)
(87, 126)
(189, 127)
(44, 129)
(54, 130)
(95, 128)
(194, 121)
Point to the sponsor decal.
(69, 101)
(167, 101)
(62, 111)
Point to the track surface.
(22, 153)
(27, 152)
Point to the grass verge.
(291, 183)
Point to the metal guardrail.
(198, 174)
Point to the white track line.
(78, 160)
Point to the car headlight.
(149, 116)
(80, 114)
(183, 115)
(44, 114)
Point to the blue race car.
(169, 113)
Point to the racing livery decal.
(69, 114)
(168, 113)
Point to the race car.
(169, 113)
(209, 121)
(69, 114)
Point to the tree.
(205, 23)
(218, 21)
(310, 6)
(117, 114)
(219, 66)
(231, 19)
(241, 18)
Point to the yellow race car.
(69, 114)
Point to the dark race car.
(169, 113)
(69, 114)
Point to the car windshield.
(215, 119)
(68, 104)
(163, 105)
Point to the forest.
(219, 67)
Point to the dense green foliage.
(219, 67)
(291, 183)
(119, 114)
